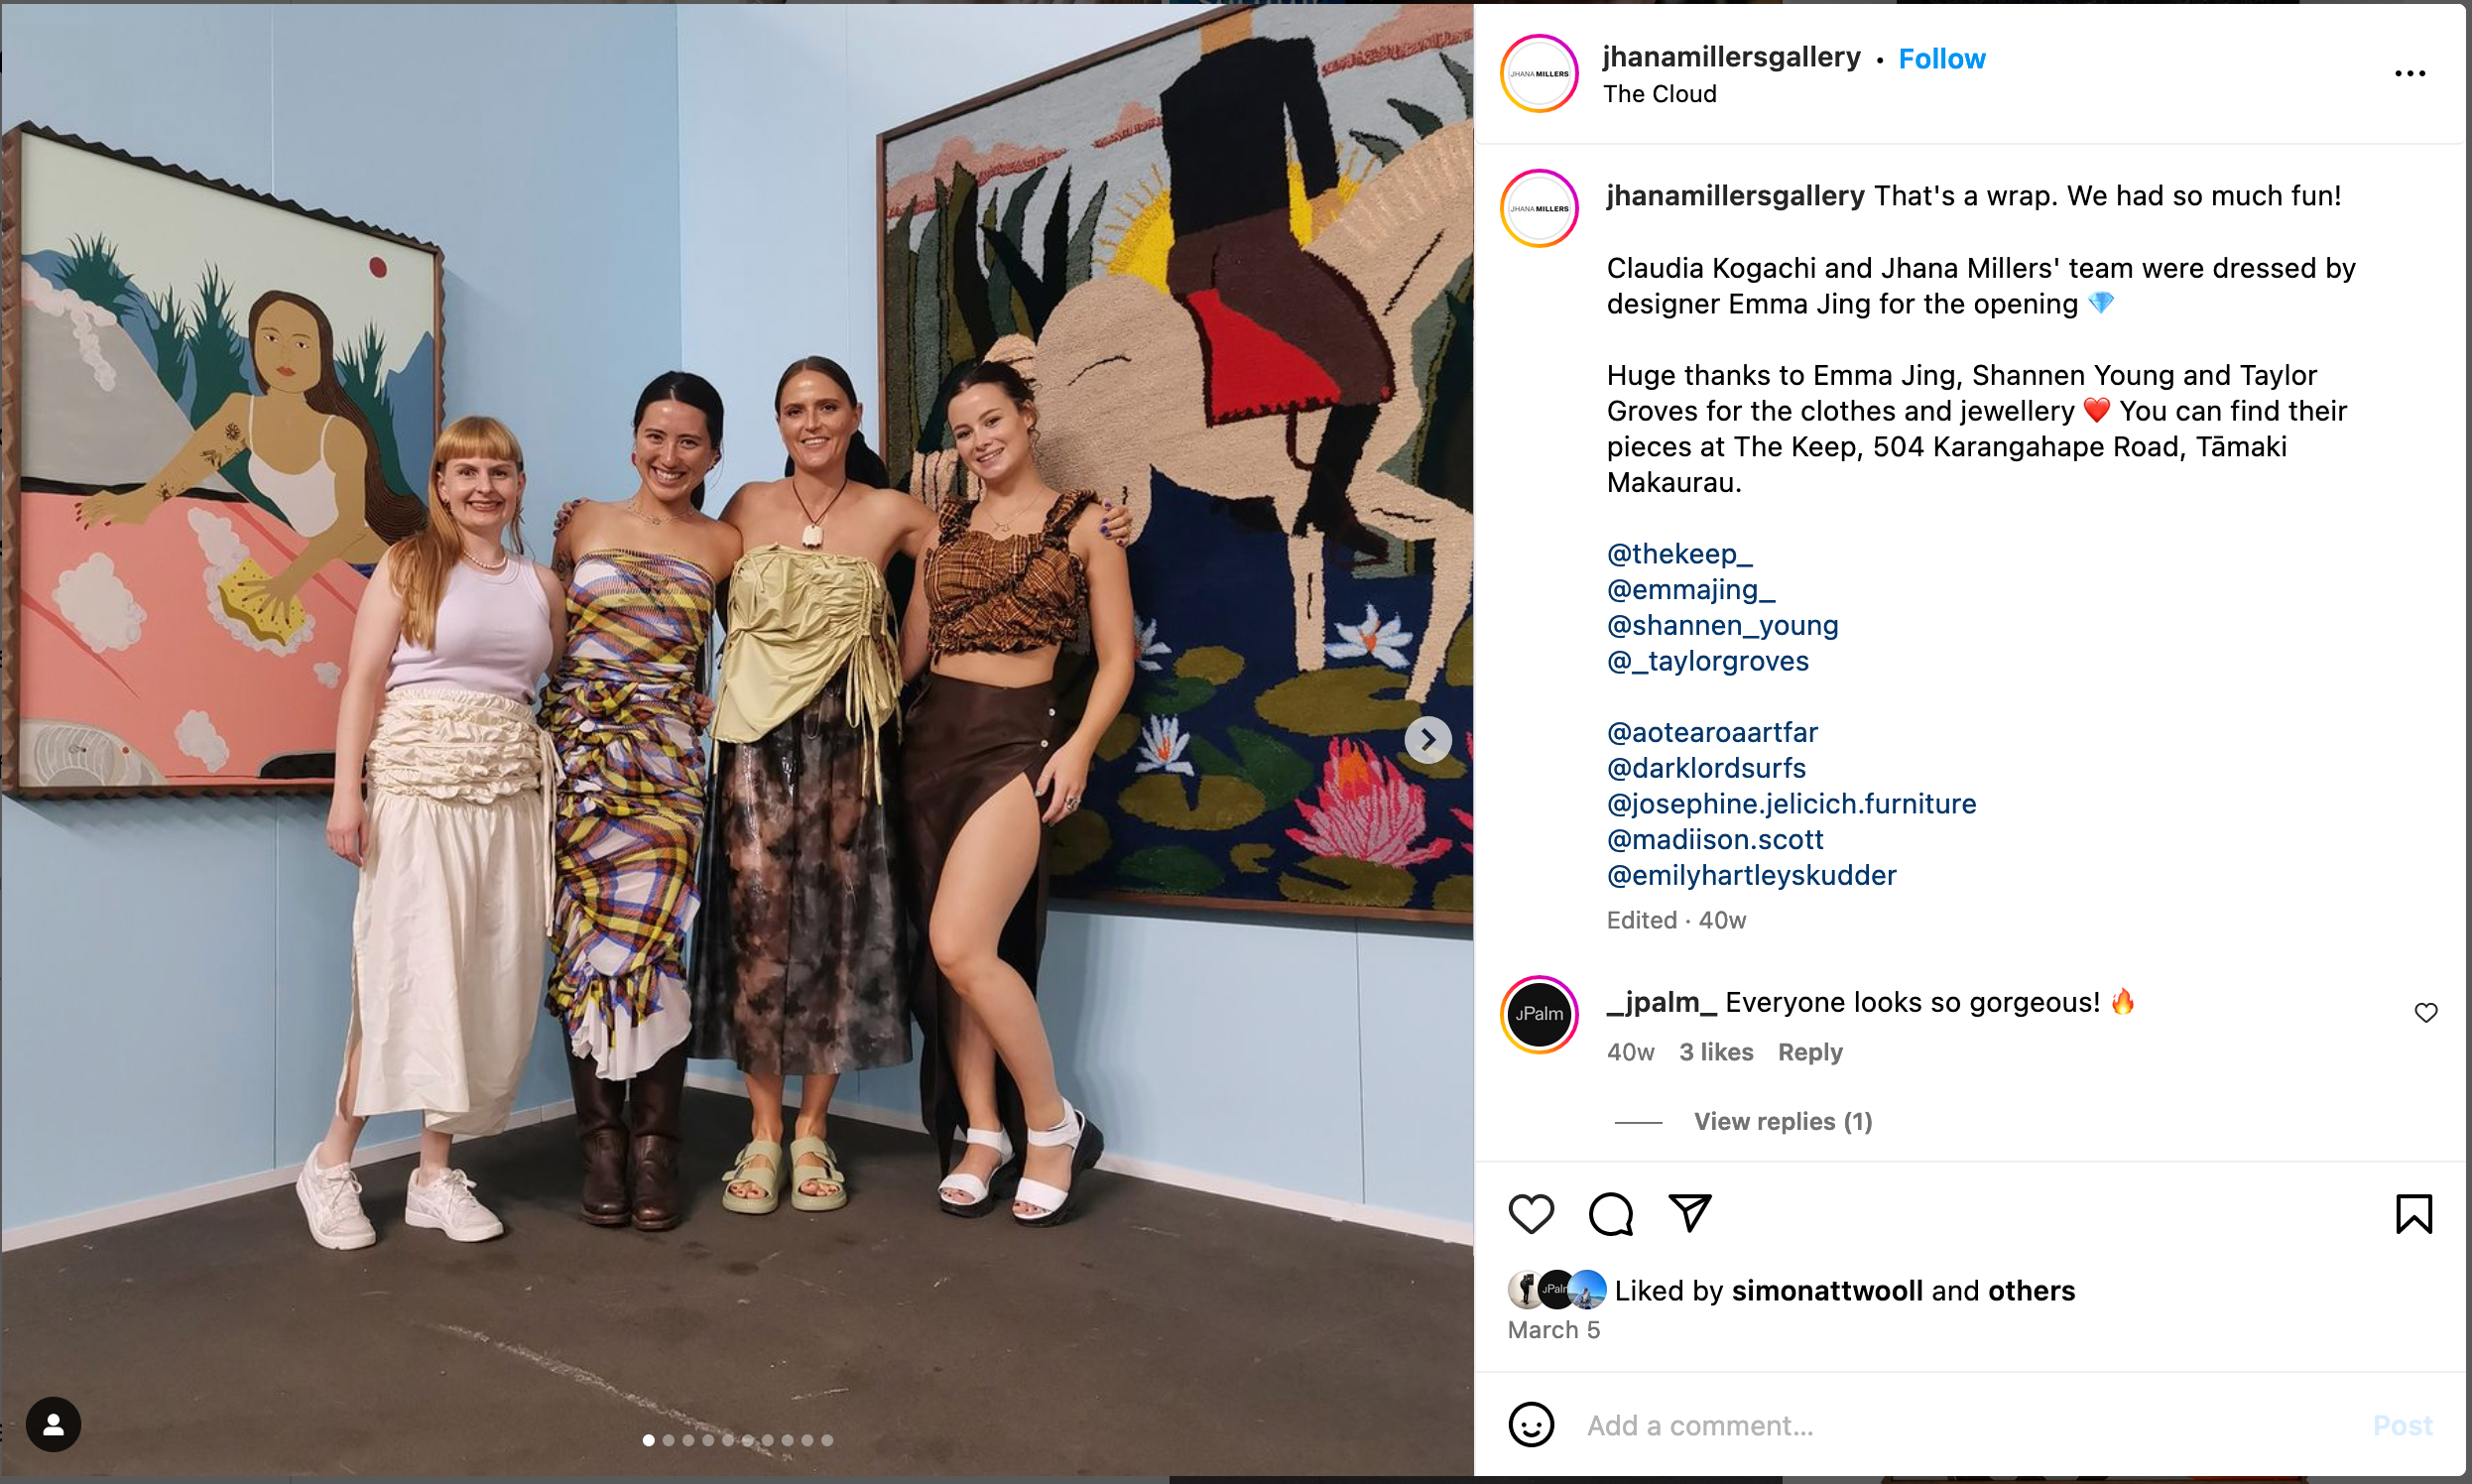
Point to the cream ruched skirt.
(448, 934)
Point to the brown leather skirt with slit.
(962, 743)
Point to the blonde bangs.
(476, 437)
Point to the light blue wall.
(618, 189)
(172, 971)
(1310, 1055)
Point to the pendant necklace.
(814, 536)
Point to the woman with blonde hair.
(451, 836)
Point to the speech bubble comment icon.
(1610, 1214)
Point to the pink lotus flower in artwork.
(1369, 812)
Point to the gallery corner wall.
(172, 969)
(619, 189)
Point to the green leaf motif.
(1383, 150)
(1210, 663)
(1460, 76)
(1423, 120)
(1207, 759)
(1272, 766)
(1172, 868)
(1119, 738)
(1218, 804)
(1342, 702)
(1180, 695)
(1334, 881)
(1458, 894)
(1080, 842)
(1252, 860)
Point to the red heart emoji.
(2096, 407)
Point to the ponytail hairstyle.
(862, 464)
(695, 392)
(423, 560)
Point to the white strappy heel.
(1088, 1143)
(982, 1200)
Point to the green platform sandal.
(744, 1173)
(829, 1172)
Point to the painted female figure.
(625, 712)
(311, 453)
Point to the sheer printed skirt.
(804, 956)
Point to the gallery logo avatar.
(1539, 207)
(1539, 73)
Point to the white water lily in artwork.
(1163, 747)
(1382, 641)
(1146, 633)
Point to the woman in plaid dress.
(625, 712)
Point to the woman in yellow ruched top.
(802, 960)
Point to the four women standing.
(804, 955)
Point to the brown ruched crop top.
(1003, 595)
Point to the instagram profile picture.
(1524, 1288)
(1539, 207)
(1540, 1014)
(1539, 73)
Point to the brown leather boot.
(601, 1127)
(653, 1104)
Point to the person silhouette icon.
(52, 1424)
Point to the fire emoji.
(2122, 1004)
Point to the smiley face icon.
(1531, 1425)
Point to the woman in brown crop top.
(1002, 586)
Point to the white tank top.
(306, 499)
(493, 636)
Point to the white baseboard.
(1463, 1233)
(34, 1233)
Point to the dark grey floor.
(1160, 1331)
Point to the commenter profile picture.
(1539, 73)
(1539, 207)
(1540, 1014)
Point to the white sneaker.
(447, 1204)
(331, 1197)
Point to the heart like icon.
(1531, 1211)
(2101, 300)
(2096, 407)
(2426, 1011)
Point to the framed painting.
(1236, 259)
(219, 411)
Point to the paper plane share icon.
(1690, 1206)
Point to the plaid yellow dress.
(620, 710)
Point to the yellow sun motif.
(1144, 232)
